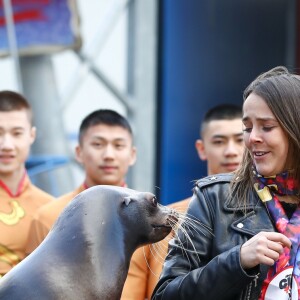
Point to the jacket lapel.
(253, 220)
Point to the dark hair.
(12, 101)
(281, 91)
(221, 112)
(103, 116)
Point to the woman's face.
(267, 142)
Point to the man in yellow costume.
(19, 197)
(106, 151)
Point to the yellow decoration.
(264, 194)
(8, 256)
(16, 214)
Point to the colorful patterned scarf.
(286, 285)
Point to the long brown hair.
(281, 91)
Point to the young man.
(19, 197)
(222, 147)
(105, 151)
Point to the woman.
(251, 251)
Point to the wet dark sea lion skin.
(86, 255)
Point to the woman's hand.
(264, 248)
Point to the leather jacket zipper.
(255, 279)
(247, 293)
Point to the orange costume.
(15, 217)
(146, 265)
(46, 216)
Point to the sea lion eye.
(154, 201)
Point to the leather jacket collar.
(246, 223)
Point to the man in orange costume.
(19, 197)
(105, 151)
(222, 147)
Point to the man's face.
(16, 137)
(222, 145)
(106, 153)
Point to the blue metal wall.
(209, 52)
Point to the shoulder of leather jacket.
(213, 179)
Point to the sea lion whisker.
(149, 267)
(155, 257)
(192, 222)
(162, 246)
(156, 252)
(193, 219)
(190, 225)
(148, 262)
(185, 233)
(181, 243)
(173, 223)
(186, 223)
(182, 248)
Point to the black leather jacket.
(214, 272)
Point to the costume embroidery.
(9, 257)
(289, 261)
(14, 216)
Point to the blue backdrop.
(209, 52)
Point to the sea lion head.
(124, 215)
(150, 221)
(143, 219)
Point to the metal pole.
(40, 88)
(12, 41)
(141, 86)
(108, 22)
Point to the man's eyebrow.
(222, 136)
(15, 128)
(105, 139)
(218, 136)
(18, 128)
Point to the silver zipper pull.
(255, 279)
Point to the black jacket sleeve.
(208, 265)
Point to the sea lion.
(86, 254)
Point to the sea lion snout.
(173, 217)
(164, 220)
